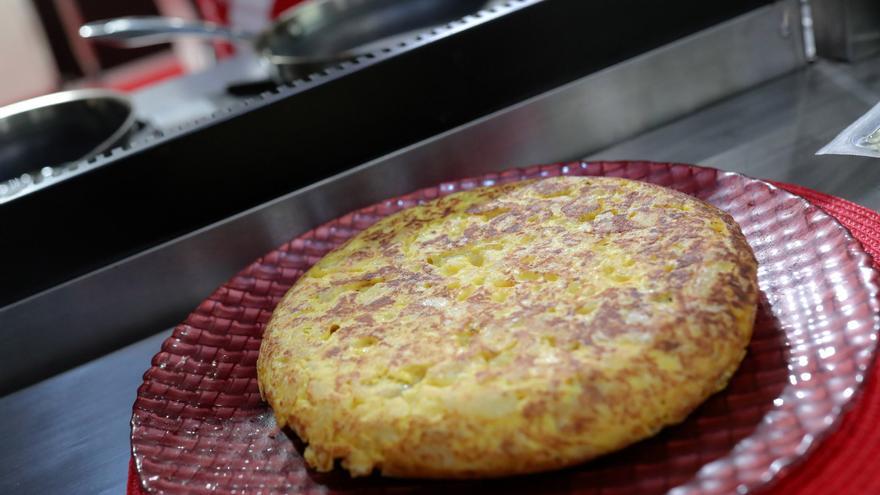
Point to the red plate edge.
(642, 170)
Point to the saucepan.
(307, 37)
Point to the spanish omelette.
(511, 329)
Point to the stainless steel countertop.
(69, 434)
(773, 132)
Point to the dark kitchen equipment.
(308, 37)
(41, 135)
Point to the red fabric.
(282, 5)
(843, 462)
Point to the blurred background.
(39, 42)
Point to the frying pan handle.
(145, 31)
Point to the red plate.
(199, 424)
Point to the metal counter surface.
(773, 132)
(69, 434)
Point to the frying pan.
(307, 37)
(39, 136)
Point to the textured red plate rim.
(828, 352)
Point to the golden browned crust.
(511, 329)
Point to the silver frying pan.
(307, 37)
(39, 137)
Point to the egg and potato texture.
(511, 329)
